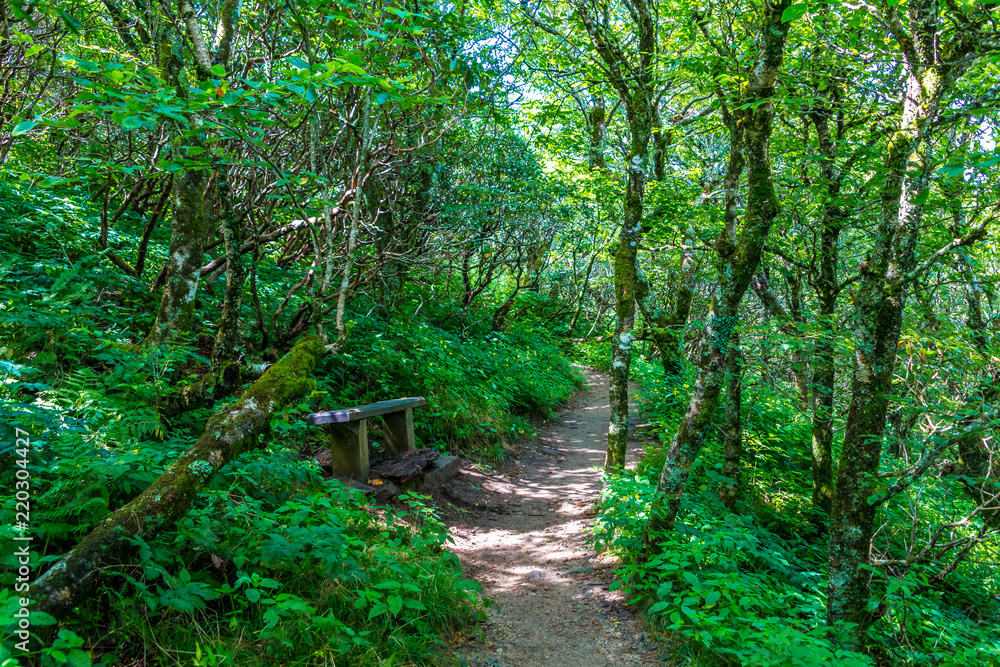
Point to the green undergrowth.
(272, 565)
(275, 566)
(596, 354)
(749, 588)
(481, 389)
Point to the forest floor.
(523, 536)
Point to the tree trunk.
(229, 433)
(667, 328)
(228, 335)
(739, 255)
(876, 325)
(187, 234)
(625, 294)
(597, 120)
(732, 427)
(583, 293)
(633, 81)
(828, 291)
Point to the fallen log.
(229, 433)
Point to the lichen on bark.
(229, 433)
(187, 234)
(739, 248)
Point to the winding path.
(523, 537)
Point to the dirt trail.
(523, 537)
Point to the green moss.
(230, 432)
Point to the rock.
(440, 471)
(581, 569)
(403, 467)
(548, 452)
(534, 574)
(386, 492)
(325, 460)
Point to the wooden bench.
(348, 430)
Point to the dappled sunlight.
(526, 542)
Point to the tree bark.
(667, 328)
(732, 426)
(739, 254)
(597, 120)
(828, 291)
(931, 67)
(634, 84)
(229, 433)
(187, 234)
(228, 334)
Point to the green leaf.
(377, 610)
(793, 12)
(41, 618)
(395, 603)
(219, 69)
(659, 606)
(71, 23)
(921, 198)
(79, 658)
(132, 123)
(712, 598)
(952, 170)
(22, 128)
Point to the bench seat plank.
(365, 411)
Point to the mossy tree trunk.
(187, 235)
(633, 80)
(827, 292)
(227, 336)
(666, 327)
(739, 249)
(188, 227)
(931, 67)
(229, 433)
(597, 121)
(732, 425)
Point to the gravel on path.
(523, 537)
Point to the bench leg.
(349, 447)
(399, 431)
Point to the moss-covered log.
(230, 432)
(212, 386)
